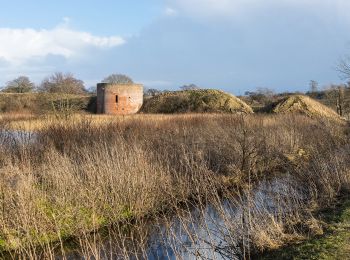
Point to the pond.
(212, 231)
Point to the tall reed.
(72, 179)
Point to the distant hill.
(197, 101)
(305, 105)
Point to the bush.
(10, 103)
(42, 103)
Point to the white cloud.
(66, 20)
(208, 7)
(232, 8)
(170, 11)
(20, 45)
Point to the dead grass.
(30, 122)
(88, 172)
(42, 103)
(196, 101)
(307, 106)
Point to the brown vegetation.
(75, 177)
(43, 103)
(307, 106)
(195, 101)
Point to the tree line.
(66, 83)
(59, 83)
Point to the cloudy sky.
(234, 45)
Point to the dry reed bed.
(79, 176)
(31, 122)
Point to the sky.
(232, 45)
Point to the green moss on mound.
(197, 101)
(305, 105)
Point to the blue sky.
(233, 45)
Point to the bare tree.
(118, 79)
(267, 92)
(313, 86)
(151, 92)
(62, 83)
(92, 90)
(21, 84)
(344, 67)
(261, 95)
(190, 87)
(336, 95)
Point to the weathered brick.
(119, 99)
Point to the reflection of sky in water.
(13, 137)
(211, 232)
(214, 233)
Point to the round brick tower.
(119, 99)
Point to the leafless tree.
(92, 90)
(262, 95)
(344, 67)
(265, 91)
(190, 87)
(62, 83)
(336, 94)
(118, 79)
(21, 84)
(313, 86)
(151, 92)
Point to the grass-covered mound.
(307, 106)
(198, 101)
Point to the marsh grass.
(333, 244)
(101, 182)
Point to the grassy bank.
(77, 176)
(333, 244)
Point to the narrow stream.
(216, 232)
(211, 232)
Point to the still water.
(208, 232)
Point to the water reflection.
(16, 137)
(212, 231)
